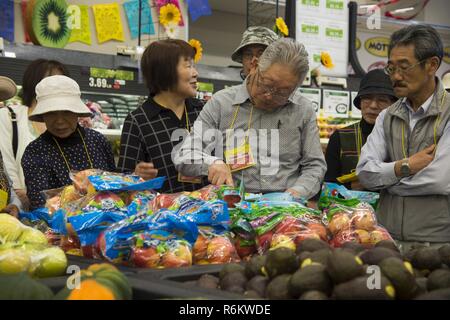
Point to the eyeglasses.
(276, 93)
(391, 69)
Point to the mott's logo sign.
(377, 46)
(447, 55)
(357, 44)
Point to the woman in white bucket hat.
(65, 146)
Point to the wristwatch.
(405, 170)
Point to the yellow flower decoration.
(281, 26)
(197, 45)
(326, 60)
(169, 14)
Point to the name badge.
(187, 179)
(3, 199)
(239, 158)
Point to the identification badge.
(239, 158)
(3, 199)
(187, 179)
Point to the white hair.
(286, 51)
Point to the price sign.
(98, 83)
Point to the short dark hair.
(426, 40)
(159, 63)
(35, 72)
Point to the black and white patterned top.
(146, 136)
(44, 166)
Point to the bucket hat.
(374, 82)
(8, 88)
(58, 93)
(254, 35)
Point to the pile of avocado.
(317, 271)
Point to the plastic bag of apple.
(24, 249)
(354, 224)
(276, 224)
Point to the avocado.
(251, 294)
(410, 255)
(313, 295)
(353, 247)
(254, 266)
(388, 244)
(438, 279)
(427, 259)
(343, 266)
(321, 256)
(235, 289)
(312, 277)
(303, 256)
(444, 252)
(280, 261)
(208, 281)
(401, 275)
(358, 289)
(233, 279)
(375, 255)
(257, 284)
(441, 294)
(228, 268)
(278, 288)
(422, 283)
(312, 245)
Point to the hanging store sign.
(336, 103)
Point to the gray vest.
(415, 218)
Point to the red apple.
(221, 250)
(263, 241)
(244, 251)
(281, 240)
(289, 225)
(200, 247)
(379, 234)
(179, 257)
(145, 257)
(339, 222)
(318, 228)
(364, 220)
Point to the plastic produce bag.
(354, 224)
(212, 248)
(333, 193)
(162, 240)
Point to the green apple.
(10, 228)
(30, 235)
(52, 263)
(14, 261)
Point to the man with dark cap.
(254, 41)
(375, 94)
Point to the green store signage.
(310, 28)
(112, 74)
(377, 46)
(334, 33)
(311, 3)
(335, 4)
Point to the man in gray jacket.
(407, 156)
(261, 131)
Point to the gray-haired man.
(261, 131)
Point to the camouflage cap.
(254, 35)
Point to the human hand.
(293, 192)
(421, 159)
(146, 170)
(22, 194)
(219, 173)
(356, 185)
(11, 209)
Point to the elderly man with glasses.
(407, 156)
(261, 131)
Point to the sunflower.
(169, 14)
(197, 45)
(172, 30)
(281, 26)
(326, 61)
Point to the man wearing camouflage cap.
(254, 41)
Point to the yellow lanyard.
(358, 135)
(85, 149)
(234, 120)
(188, 125)
(436, 123)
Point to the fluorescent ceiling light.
(403, 10)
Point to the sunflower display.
(172, 30)
(326, 60)
(197, 45)
(169, 14)
(281, 27)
